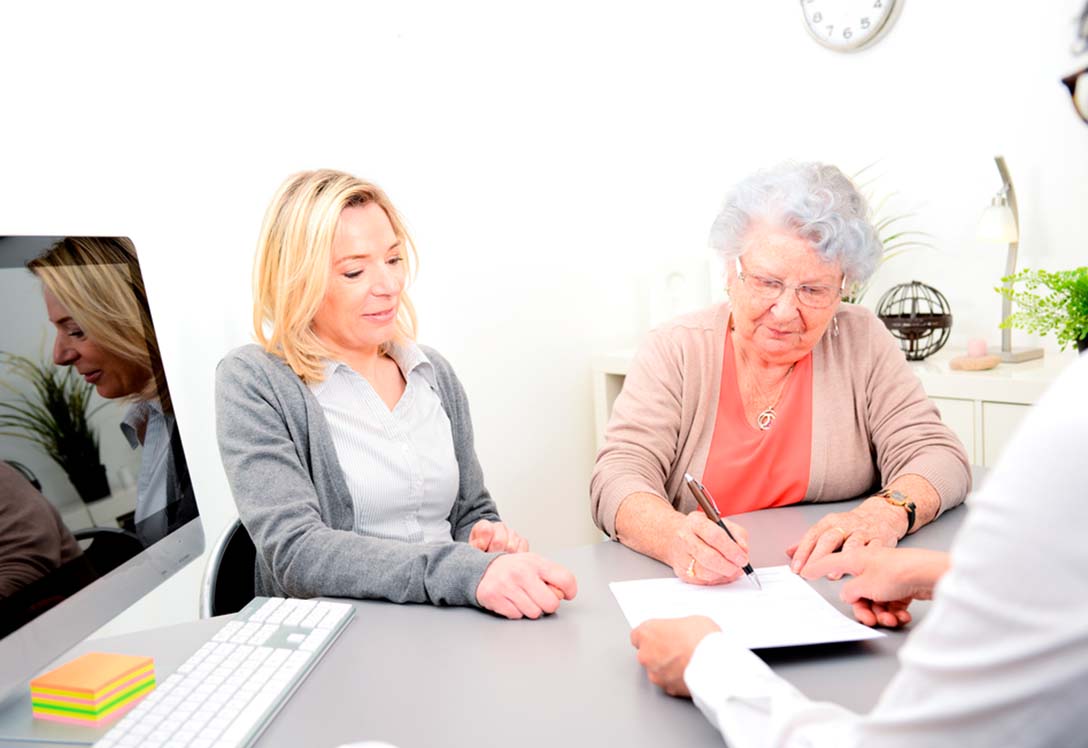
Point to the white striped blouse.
(399, 465)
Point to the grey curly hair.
(817, 201)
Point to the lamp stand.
(1010, 355)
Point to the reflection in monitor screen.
(92, 471)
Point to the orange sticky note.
(93, 674)
(94, 688)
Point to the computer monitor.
(96, 505)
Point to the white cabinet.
(999, 422)
(959, 415)
(982, 407)
(985, 407)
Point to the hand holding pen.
(710, 509)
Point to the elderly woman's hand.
(665, 647)
(702, 553)
(873, 522)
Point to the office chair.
(228, 577)
(109, 547)
(26, 473)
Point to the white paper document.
(786, 612)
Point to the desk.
(418, 676)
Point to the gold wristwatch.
(896, 498)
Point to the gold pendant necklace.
(768, 415)
(766, 419)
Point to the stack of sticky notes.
(92, 689)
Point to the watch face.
(846, 25)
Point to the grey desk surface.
(416, 675)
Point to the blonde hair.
(99, 281)
(291, 269)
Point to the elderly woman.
(782, 395)
(348, 446)
(94, 296)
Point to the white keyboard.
(227, 692)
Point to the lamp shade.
(998, 224)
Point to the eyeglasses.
(1077, 83)
(815, 295)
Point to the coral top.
(748, 469)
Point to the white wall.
(548, 158)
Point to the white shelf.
(1007, 383)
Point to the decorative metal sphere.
(918, 315)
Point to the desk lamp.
(1000, 223)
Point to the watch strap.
(897, 498)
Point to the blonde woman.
(349, 447)
(94, 296)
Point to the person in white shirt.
(1002, 656)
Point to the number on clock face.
(846, 25)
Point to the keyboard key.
(299, 610)
(334, 613)
(263, 634)
(265, 610)
(313, 619)
(316, 638)
(227, 631)
(259, 654)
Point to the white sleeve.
(1002, 656)
(752, 706)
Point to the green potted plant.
(56, 418)
(1050, 302)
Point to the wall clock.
(848, 25)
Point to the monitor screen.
(96, 504)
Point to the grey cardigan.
(291, 495)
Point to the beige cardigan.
(871, 420)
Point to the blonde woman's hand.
(496, 537)
(525, 585)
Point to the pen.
(710, 508)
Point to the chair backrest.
(228, 577)
(109, 547)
